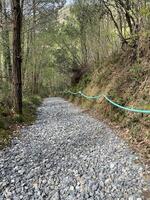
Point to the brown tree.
(17, 57)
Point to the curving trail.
(67, 155)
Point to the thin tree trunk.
(5, 41)
(83, 44)
(35, 91)
(17, 58)
(8, 56)
(1, 52)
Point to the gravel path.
(67, 155)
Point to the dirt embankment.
(127, 82)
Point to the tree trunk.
(7, 46)
(5, 41)
(17, 58)
(83, 44)
(35, 91)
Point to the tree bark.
(83, 44)
(7, 45)
(35, 90)
(17, 57)
(5, 41)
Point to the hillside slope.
(126, 82)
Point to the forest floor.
(10, 123)
(68, 155)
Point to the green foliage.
(9, 119)
(5, 137)
(35, 100)
(29, 109)
(83, 82)
(136, 72)
(2, 124)
(18, 118)
(136, 69)
(145, 11)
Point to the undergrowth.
(9, 121)
(127, 85)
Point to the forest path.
(68, 155)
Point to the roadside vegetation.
(11, 122)
(28, 72)
(115, 54)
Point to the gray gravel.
(67, 155)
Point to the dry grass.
(128, 85)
